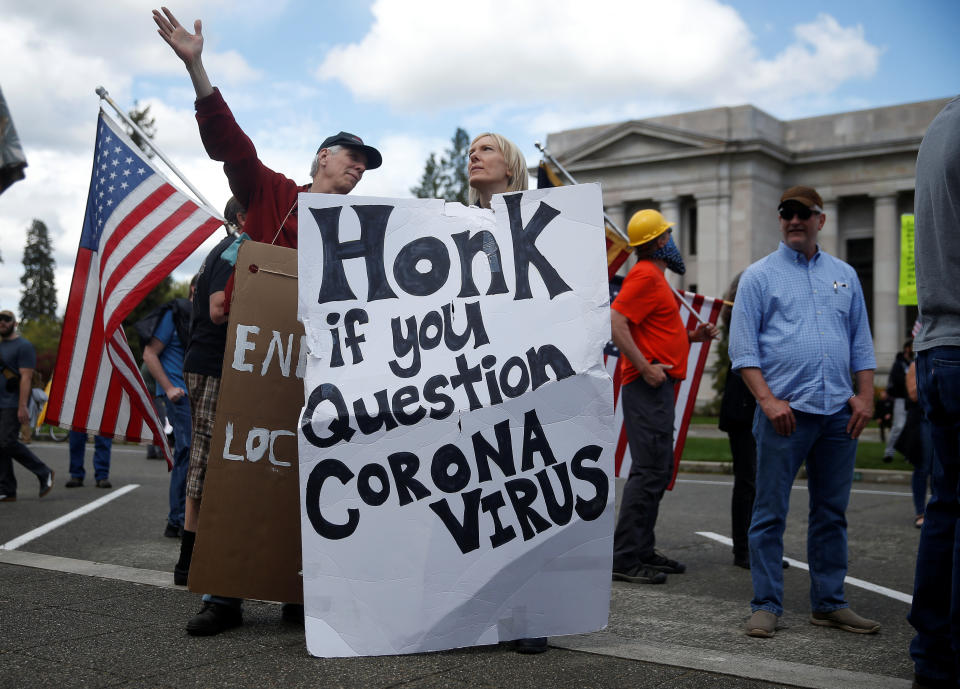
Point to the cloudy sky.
(403, 74)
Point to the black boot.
(181, 570)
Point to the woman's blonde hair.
(516, 164)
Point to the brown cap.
(808, 196)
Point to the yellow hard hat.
(646, 225)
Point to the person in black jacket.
(897, 391)
(737, 408)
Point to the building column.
(617, 213)
(886, 263)
(713, 268)
(829, 238)
(670, 210)
(713, 245)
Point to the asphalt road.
(91, 603)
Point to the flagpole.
(102, 92)
(553, 161)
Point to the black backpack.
(181, 309)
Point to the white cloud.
(404, 157)
(423, 54)
(823, 56)
(55, 53)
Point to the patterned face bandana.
(671, 254)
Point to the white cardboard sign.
(456, 443)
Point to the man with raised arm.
(270, 200)
(269, 197)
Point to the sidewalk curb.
(865, 475)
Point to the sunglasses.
(4, 318)
(801, 212)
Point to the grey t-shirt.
(16, 354)
(937, 234)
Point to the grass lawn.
(869, 454)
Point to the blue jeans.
(935, 613)
(101, 455)
(179, 414)
(823, 443)
(921, 470)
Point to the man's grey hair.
(315, 166)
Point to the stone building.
(719, 173)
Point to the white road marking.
(69, 517)
(853, 581)
(863, 491)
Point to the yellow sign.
(908, 274)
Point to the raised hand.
(188, 46)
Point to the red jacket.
(268, 196)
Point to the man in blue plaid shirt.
(799, 331)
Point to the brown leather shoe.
(845, 619)
(762, 623)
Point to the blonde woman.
(495, 166)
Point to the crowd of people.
(799, 392)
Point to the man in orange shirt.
(653, 344)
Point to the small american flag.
(685, 394)
(136, 230)
(618, 251)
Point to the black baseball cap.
(374, 159)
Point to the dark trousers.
(11, 448)
(935, 612)
(743, 447)
(648, 417)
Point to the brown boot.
(845, 619)
(762, 623)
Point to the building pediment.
(636, 140)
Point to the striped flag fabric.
(137, 228)
(618, 250)
(685, 394)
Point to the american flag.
(136, 230)
(685, 394)
(618, 251)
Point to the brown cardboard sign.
(248, 540)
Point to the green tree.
(44, 334)
(447, 179)
(456, 183)
(141, 116)
(430, 186)
(38, 298)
